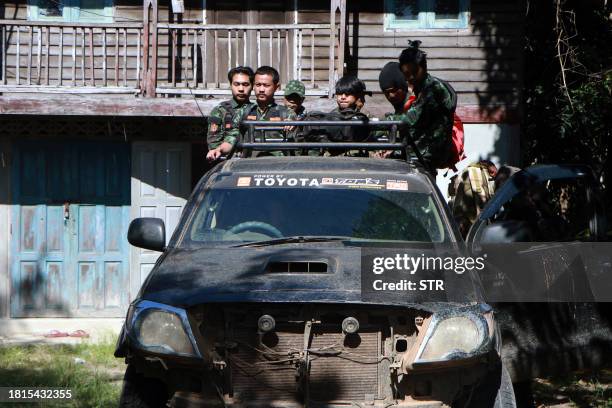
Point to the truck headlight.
(162, 329)
(454, 337)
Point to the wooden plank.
(74, 63)
(288, 54)
(278, 48)
(226, 27)
(17, 67)
(3, 48)
(30, 42)
(227, 92)
(229, 49)
(66, 89)
(216, 63)
(174, 45)
(258, 48)
(459, 53)
(61, 56)
(30, 23)
(312, 58)
(104, 59)
(271, 47)
(47, 53)
(438, 42)
(38, 54)
(121, 106)
(195, 59)
(125, 56)
(83, 57)
(117, 57)
(244, 50)
(138, 61)
(205, 59)
(91, 58)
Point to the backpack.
(456, 153)
(315, 133)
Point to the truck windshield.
(234, 216)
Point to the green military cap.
(295, 87)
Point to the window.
(98, 11)
(414, 14)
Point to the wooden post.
(60, 66)
(18, 57)
(125, 56)
(4, 48)
(149, 65)
(74, 46)
(38, 54)
(104, 78)
(116, 57)
(91, 56)
(31, 33)
(342, 39)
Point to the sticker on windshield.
(366, 182)
(401, 185)
(282, 180)
(243, 182)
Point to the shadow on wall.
(500, 27)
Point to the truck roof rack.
(269, 144)
(275, 144)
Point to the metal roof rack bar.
(264, 146)
(276, 123)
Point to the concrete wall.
(4, 227)
(499, 143)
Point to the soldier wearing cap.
(225, 118)
(295, 93)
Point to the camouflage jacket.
(473, 188)
(273, 112)
(430, 120)
(224, 123)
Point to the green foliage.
(568, 113)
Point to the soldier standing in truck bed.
(225, 118)
(266, 109)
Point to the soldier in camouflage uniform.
(266, 83)
(225, 118)
(429, 119)
(295, 93)
(472, 189)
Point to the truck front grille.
(342, 368)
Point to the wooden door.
(161, 184)
(68, 220)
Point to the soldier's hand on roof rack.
(213, 154)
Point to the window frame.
(427, 19)
(71, 13)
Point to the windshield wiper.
(294, 239)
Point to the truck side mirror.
(148, 233)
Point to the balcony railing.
(186, 59)
(70, 57)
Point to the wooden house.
(103, 107)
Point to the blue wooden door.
(69, 255)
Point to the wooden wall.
(482, 62)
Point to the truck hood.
(184, 278)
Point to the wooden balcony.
(148, 59)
